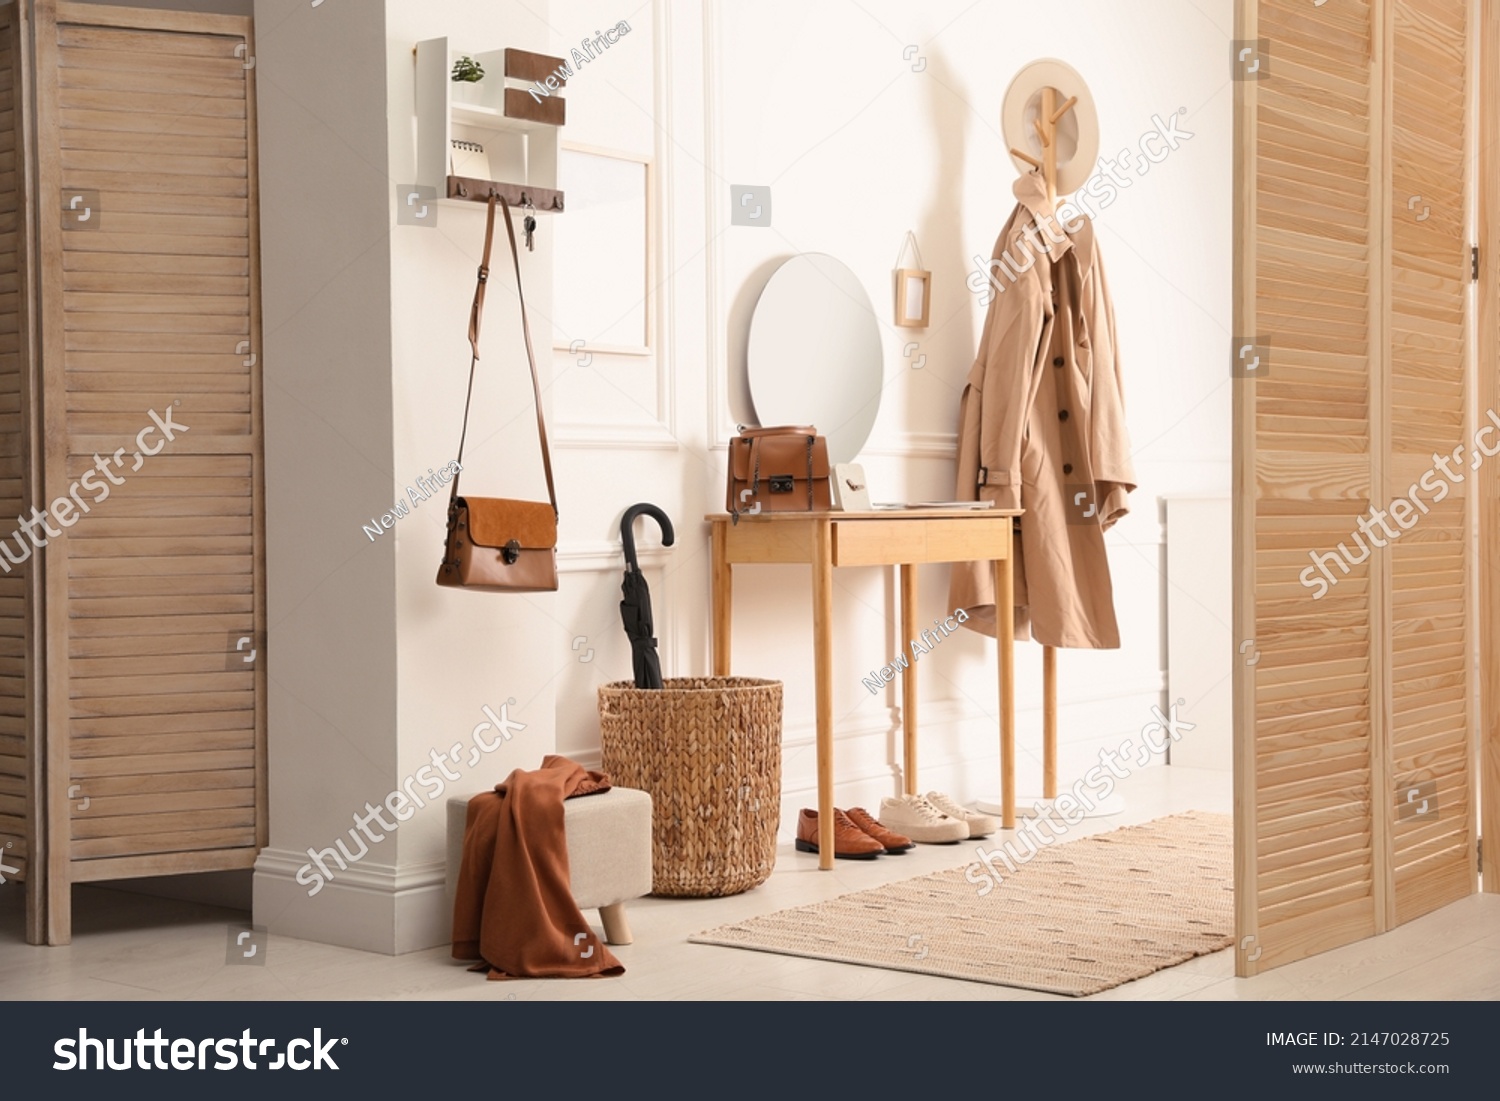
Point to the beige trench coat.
(1042, 427)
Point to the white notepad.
(469, 159)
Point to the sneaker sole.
(809, 847)
(922, 837)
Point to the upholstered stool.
(609, 852)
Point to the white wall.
(817, 101)
(373, 666)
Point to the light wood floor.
(129, 946)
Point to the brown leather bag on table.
(781, 469)
(496, 544)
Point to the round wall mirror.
(815, 355)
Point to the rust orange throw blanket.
(514, 908)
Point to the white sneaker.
(918, 819)
(980, 825)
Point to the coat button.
(1058, 362)
(1062, 415)
(1067, 468)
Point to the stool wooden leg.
(616, 928)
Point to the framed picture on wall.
(602, 296)
(912, 297)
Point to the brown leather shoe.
(894, 843)
(849, 841)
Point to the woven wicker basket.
(708, 750)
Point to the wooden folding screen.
(1489, 475)
(152, 711)
(1354, 741)
(20, 768)
(1433, 613)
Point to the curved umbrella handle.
(627, 530)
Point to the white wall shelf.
(522, 152)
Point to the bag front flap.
(495, 521)
(777, 455)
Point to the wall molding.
(721, 428)
(954, 711)
(914, 445)
(607, 554)
(664, 217)
(638, 436)
(659, 434)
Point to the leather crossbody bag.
(496, 544)
(782, 469)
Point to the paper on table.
(889, 505)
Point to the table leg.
(822, 592)
(909, 679)
(723, 600)
(1049, 722)
(1005, 633)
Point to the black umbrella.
(635, 609)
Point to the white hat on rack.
(1077, 130)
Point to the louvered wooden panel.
(1306, 470)
(160, 718)
(1432, 858)
(16, 744)
(1488, 390)
(1353, 264)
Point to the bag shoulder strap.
(476, 317)
(778, 430)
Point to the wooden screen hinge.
(1474, 263)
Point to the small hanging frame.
(913, 288)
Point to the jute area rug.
(1077, 918)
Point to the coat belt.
(987, 477)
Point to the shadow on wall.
(738, 339)
(940, 232)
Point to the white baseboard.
(369, 906)
(958, 749)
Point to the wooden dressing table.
(906, 538)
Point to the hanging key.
(529, 227)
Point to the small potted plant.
(467, 73)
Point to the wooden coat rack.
(1047, 132)
(1052, 112)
